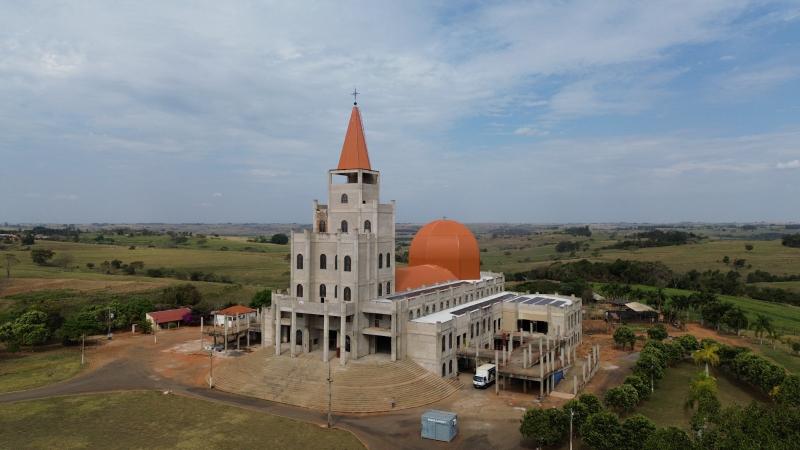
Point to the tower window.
(322, 227)
(388, 260)
(367, 226)
(322, 291)
(347, 294)
(380, 289)
(388, 287)
(335, 291)
(336, 262)
(380, 260)
(347, 264)
(323, 261)
(344, 226)
(299, 261)
(299, 290)
(344, 198)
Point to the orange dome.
(417, 276)
(448, 244)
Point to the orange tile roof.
(354, 151)
(235, 310)
(423, 275)
(171, 315)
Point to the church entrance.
(383, 344)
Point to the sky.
(596, 111)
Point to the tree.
(641, 386)
(580, 410)
(748, 247)
(28, 329)
(279, 238)
(707, 355)
(775, 336)
(788, 392)
(669, 438)
(27, 239)
(624, 335)
(735, 318)
(602, 431)
(79, 325)
(726, 259)
(181, 295)
(688, 342)
(41, 256)
(761, 325)
(10, 261)
(591, 402)
(544, 426)
(622, 398)
(63, 260)
(650, 365)
(636, 430)
(657, 332)
(261, 298)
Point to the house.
(233, 314)
(168, 317)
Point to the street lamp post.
(571, 415)
(211, 367)
(330, 381)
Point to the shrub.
(623, 336)
(602, 431)
(642, 387)
(657, 332)
(545, 426)
(622, 398)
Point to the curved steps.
(359, 387)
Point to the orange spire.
(354, 151)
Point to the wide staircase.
(362, 386)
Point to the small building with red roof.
(169, 316)
(234, 314)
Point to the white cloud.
(217, 194)
(793, 164)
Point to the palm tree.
(775, 336)
(707, 355)
(761, 325)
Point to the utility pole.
(330, 398)
(571, 415)
(110, 316)
(201, 333)
(83, 348)
(211, 368)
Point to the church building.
(348, 299)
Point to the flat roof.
(444, 315)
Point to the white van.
(484, 376)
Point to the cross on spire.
(355, 96)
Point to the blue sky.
(485, 112)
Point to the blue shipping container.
(439, 425)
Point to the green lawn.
(788, 285)
(665, 406)
(781, 355)
(155, 420)
(29, 370)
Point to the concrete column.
(505, 354)
(342, 334)
(541, 376)
(540, 346)
(530, 353)
(292, 333)
(225, 333)
(277, 329)
(524, 358)
(325, 332)
(583, 370)
(575, 385)
(497, 368)
(394, 336)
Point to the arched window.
(380, 260)
(344, 226)
(323, 227)
(410, 315)
(344, 198)
(444, 367)
(336, 262)
(347, 343)
(388, 260)
(388, 287)
(298, 339)
(450, 340)
(367, 226)
(347, 264)
(299, 290)
(323, 261)
(347, 294)
(299, 261)
(451, 365)
(322, 291)
(380, 289)
(336, 291)
(443, 342)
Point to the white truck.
(484, 376)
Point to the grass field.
(788, 285)
(781, 355)
(268, 268)
(29, 370)
(665, 405)
(155, 420)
